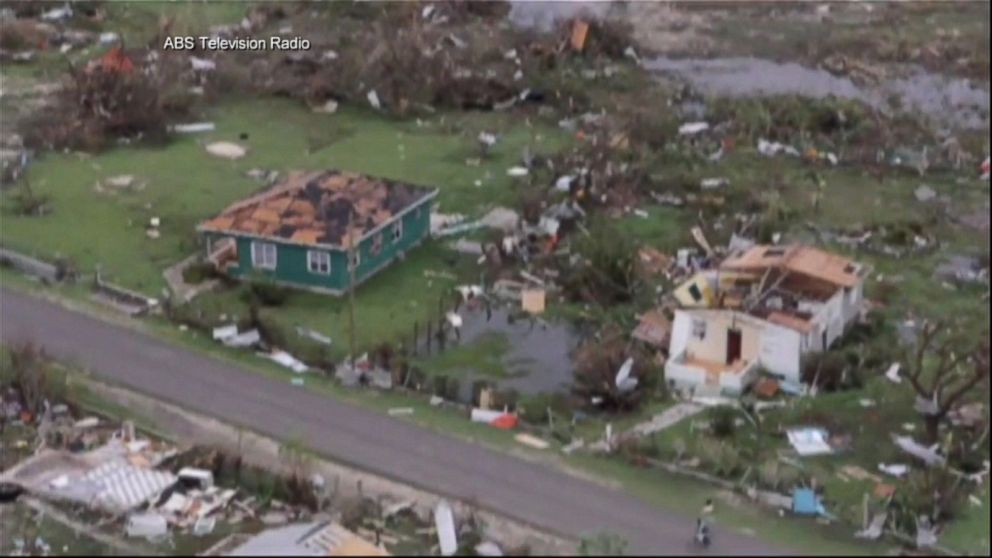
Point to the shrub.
(722, 423)
(720, 457)
(267, 293)
(199, 272)
(829, 370)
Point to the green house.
(301, 231)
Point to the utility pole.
(351, 285)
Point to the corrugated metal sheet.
(121, 486)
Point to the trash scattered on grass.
(517, 171)
(400, 411)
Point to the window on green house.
(319, 262)
(398, 230)
(263, 255)
(376, 245)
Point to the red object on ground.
(985, 166)
(26, 417)
(505, 421)
(115, 61)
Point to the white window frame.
(397, 230)
(259, 255)
(319, 262)
(355, 259)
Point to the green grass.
(384, 311)
(970, 534)
(18, 522)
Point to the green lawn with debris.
(182, 184)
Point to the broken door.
(733, 345)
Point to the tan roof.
(805, 260)
(317, 207)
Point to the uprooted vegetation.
(416, 57)
(119, 96)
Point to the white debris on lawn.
(149, 525)
(713, 183)
(623, 380)
(329, 107)
(693, 128)
(517, 171)
(564, 183)
(895, 469)
(532, 441)
(193, 127)
(809, 441)
(244, 339)
(285, 359)
(227, 150)
(769, 148)
(444, 522)
(454, 319)
(225, 332)
(202, 64)
(928, 455)
(893, 373)
(373, 98)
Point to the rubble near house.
(654, 329)
(116, 477)
(765, 307)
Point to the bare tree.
(945, 368)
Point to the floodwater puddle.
(947, 100)
(538, 358)
(543, 15)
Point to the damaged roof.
(805, 260)
(316, 207)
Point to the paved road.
(367, 440)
